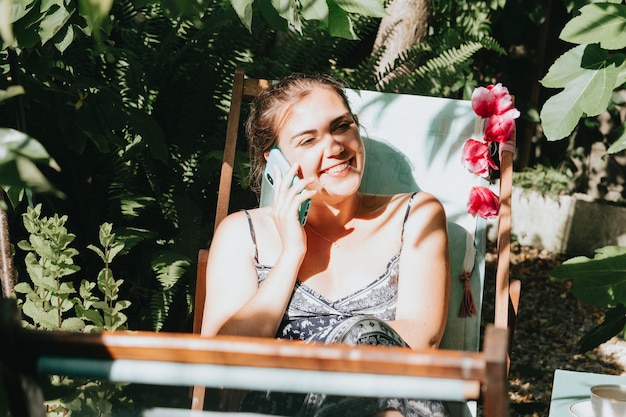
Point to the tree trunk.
(405, 26)
(7, 274)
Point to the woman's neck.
(335, 215)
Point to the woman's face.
(321, 134)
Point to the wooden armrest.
(257, 352)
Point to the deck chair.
(412, 143)
(460, 372)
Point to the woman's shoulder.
(407, 200)
(242, 220)
(414, 205)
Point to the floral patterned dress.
(358, 318)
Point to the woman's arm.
(424, 283)
(234, 303)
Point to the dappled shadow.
(550, 323)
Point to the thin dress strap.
(406, 215)
(253, 236)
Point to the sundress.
(358, 318)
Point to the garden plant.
(591, 75)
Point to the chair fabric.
(414, 143)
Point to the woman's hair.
(267, 113)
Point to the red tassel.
(468, 308)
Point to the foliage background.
(134, 113)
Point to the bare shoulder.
(420, 208)
(242, 223)
(426, 212)
(429, 200)
(387, 206)
(235, 224)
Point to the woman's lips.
(334, 170)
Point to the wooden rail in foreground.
(172, 358)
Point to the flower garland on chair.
(494, 105)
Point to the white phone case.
(276, 158)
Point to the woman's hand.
(287, 201)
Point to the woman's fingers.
(291, 193)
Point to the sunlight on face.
(321, 134)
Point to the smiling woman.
(364, 269)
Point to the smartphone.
(277, 159)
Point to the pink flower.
(503, 100)
(483, 202)
(499, 127)
(490, 100)
(477, 158)
(483, 102)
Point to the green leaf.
(287, 9)
(53, 23)
(372, 8)
(613, 324)
(602, 23)
(271, 16)
(64, 39)
(72, 324)
(98, 251)
(114, 249)
(46, 319)
(31, 175)
(314, 10)
(243, 8)
(104, 234)
(339, 23)
(23, 288)
(19, 143)
(619, 144)
(95, 317)
(586, 91)
(600, 281)
(95, 11)
(169, 267)
(133, 207)
(13, 90)
(132, 236)
(6, 27)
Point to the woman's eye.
(342, 127)
(306, 141)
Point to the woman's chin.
(342, 188)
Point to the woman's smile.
(337, 169)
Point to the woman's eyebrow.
(303, 133)
(332, 123)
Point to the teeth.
(337, 169)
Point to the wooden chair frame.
(242, 362)
(507, 292)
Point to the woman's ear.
(266, 155)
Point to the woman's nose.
(333, 146)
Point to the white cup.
(608, 400)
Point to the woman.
(379, 260)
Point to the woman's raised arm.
(424, 280)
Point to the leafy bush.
(601, 282)
(134, 113)
(51, 302)
(588, 75)
(544, 179)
